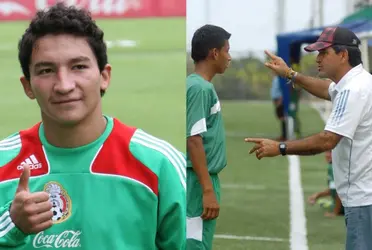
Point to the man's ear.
(345, 56)
(215, 53)
(27, 88)
(106, 77)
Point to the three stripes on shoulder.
(174, 156)
(10, 143)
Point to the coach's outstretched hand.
(264, 147)
(276, 64)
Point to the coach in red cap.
(348, 132)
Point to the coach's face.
(65, 79)
(328, 63)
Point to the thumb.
(24, 179)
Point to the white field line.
(298, 233)
(236, 237)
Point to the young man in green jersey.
(206, 146)
(81, 179)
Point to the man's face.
(65, 79)
(328, 62)
(223, 58)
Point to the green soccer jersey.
(124, 191)
(204, 118)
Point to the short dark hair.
(61, 19)
(206, 38)
(355, 56)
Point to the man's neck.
(205, 70)
(341, 73)
(87, 131)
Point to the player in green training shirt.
(80, 179)
(206, 146)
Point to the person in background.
(335, 208)
(277, 98)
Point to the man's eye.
(80, 67)
(44, 71)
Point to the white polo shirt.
(351, 117)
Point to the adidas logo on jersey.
(32, 162)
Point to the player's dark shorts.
(358, 227)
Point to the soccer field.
(255, 207)
(147, 88)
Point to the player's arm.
(196, 116)
(316, 86)
(10, 235)
(197, 102)
(338, 205)
(314, 197)
(198, 159)
(28, 213)
(172, 204)
(324, 193)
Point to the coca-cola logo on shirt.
(65, 239)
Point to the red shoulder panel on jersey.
(31, 152)
(115, 158)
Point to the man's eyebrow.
(43, 64)
(80, 59)
(73, 60)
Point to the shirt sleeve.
(347, 112)
(196, 114)
(172, 204)
(10, 235)
(331, 89)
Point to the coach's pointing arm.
(316, 86)
(342, 122)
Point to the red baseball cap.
(334, 36)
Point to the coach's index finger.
(271, 55)
(255, 140)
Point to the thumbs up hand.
(30, 212)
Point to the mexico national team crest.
(61, 202)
